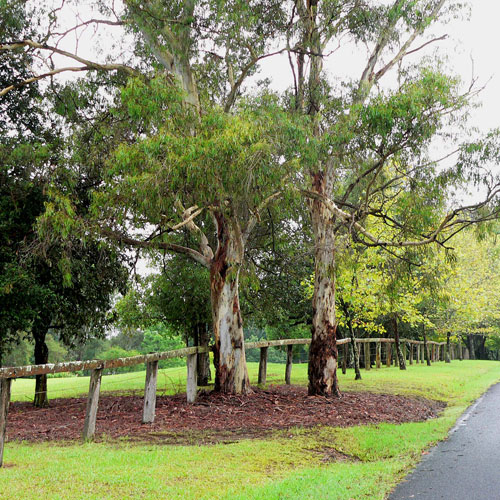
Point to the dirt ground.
(214, 417)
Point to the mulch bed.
(214, 417)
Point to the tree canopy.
(186, 149)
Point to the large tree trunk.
(322, 368)
(39, 333)
(399, 352)
(231, 374)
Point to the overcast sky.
(477, 39)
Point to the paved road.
(467, 465)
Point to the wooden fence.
(412, 350)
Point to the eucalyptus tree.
(374, 141)
(193, 158)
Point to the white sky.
(479, 38)
(476, 39)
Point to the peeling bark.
(229, 351)
(323, 354)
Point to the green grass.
(289, 465)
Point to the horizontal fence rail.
(101, 364)
(97, 366)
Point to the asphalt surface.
(465, 466)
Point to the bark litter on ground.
(214, 417)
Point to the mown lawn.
(290, 465)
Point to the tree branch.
(348, 220)
(188, 216)
(244, 72)
(160, 245)
(87, 65)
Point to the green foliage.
(118, 352)
(158, 338)
(232, 162)
(57, 352)
(472, 288)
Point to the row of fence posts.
(412, 352)
(151, 361)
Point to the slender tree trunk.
(343, 361)
(39, 332)
(355, 352)
(472, 347)
(447, 355)
(345, 351)
(203, 361)
(229, 350)
(426, 348)
(399, 352)
(483, 352)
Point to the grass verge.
(368, 460)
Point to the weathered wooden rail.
(151, 361)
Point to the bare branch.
(256, 215)
(244, 72)
(348, 220)
(160, 245)
(87, 65)
(87, 23)
(369, 77)
(23, 83)
(438, 39)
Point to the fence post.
(4, 410)
(378, 353)
(368, 361)
(148, 414)
(418, 352)
(405, 354)
(388, 352)
(191, 384)
(410, 347)
(289, 359)
(92, 404)
(263, 366)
